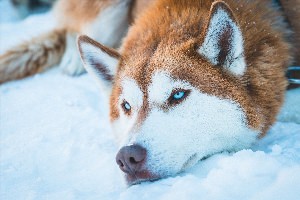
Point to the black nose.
(130, 158)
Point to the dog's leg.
(71, 63)
(109, 27)
(111, 24)
(33, 56)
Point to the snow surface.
(55, 143)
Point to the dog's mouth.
(140, 176)
(147, 176)
(190, 162)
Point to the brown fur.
(167, 35)
(33, 56)
(46, 50)
(74, 15)
(138, 7)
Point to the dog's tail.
(33, 56)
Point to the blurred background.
(23, 8)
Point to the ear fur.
(100, 61)
(223, 43)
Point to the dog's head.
(175, 100)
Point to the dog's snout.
(130, 158)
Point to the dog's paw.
(71, 63)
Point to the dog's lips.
(140, 176)
(146, 175)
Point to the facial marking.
(163, 86)
(199, 126)
(131, 93)
(129, 103)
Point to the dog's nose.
(130, 158)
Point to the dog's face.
(175, 107)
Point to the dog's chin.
(139, 177)
(148, 176)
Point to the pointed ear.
(100, 61)
(223, 41)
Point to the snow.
(55, 143)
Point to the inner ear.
(223, 42)
(100, 61)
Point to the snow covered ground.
(55, 143)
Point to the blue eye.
(126, 106)
(179, 95)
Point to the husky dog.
(190, 78)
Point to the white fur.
(235, 61)
(134, 96)
(71, 63)
(132, 93)
(91, 55)
(111, 24)
(159, 94)
(200, 126)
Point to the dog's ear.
(100, 61)
(223, 41)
